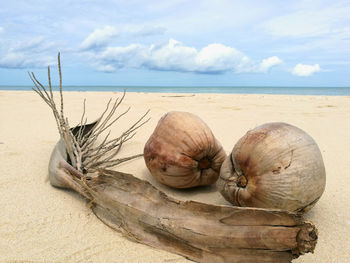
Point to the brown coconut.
(275, 165)
(182, 152)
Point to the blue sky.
(177, 43)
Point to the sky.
(177, 42)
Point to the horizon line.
(183, 86)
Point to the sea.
(329, 91)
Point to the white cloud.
(267, 63)
(131, 56)
(99, 37)
(33, 52)
(1, 29)
(148, 30)
(171, 56)
(36, 45)
(303, 70)
(219, 58)
(106, 68)
(175, 56)
(22, 60)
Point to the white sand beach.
(40, 223)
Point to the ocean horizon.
(329, 91)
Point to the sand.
(39, 223)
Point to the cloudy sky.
(177, 42)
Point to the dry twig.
(84, 153)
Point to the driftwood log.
(197, 231)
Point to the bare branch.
(108, 150)
(60, 76)
(108, 164)
(80, 141)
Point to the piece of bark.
(198, 231)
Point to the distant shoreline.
(326, 91)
